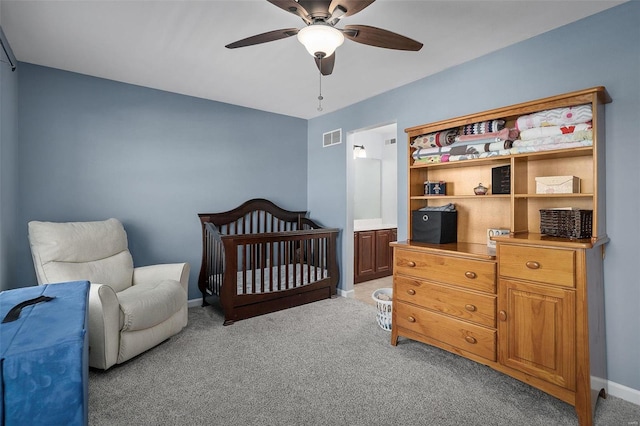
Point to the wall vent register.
(333, 137)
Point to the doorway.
(372, 187)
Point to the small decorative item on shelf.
(480, 189)
(494, 232)
(501, 180)
(435, 188)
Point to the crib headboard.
(257, 216)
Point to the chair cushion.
(93, 251)
(115, 271)
(144, 305)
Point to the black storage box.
(501, 180)
(436, 227)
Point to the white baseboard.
(343, 293)
(614, 389)
(624, 392)
(194, 303)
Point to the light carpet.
(325, 363)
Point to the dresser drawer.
(478, 308)
(473, 274)
(471, 338)
(551, 266)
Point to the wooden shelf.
(551, 196)
(453, 197)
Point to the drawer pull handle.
(411, 319)
(470, 307)
(533, 265)
(411, 291)
(471, 339)
(502, 315)
(471, 275)
(411, 264)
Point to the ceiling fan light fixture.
(320, 40)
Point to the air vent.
(390, 141)
(333, 137)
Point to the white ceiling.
(178, 46)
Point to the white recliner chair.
(130, 309)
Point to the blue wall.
(8, 170)
(91, 149)
(602, 50)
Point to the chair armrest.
(165, 271)
(104, 326)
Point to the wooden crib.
(259, 258)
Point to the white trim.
(194, 303)
(623, 392)
(346, 293)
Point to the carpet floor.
(325, 363)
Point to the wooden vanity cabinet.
(533, 307)
(373, 256)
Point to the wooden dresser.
(533, 307)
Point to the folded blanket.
(432, 159)
(549, 147)
(502, 135)
(426, 152)
(475, 148)
(478, 155)
(555, 117)
(578, 136)
(543, 132)
(483, 127)
(446, 208)
(437, 139)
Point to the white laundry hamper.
(383, 298)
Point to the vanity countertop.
(372, 227)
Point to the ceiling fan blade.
(351, 6)
(292, 6)
(326, 64)
(380, 38)
(263, 38)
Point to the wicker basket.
(573, 224)
(383, 300)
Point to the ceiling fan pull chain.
(320, 98)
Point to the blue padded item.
(44, 356)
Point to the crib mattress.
(290, 276)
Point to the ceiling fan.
(321, 37)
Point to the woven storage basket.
(573, 224)
(383, 316)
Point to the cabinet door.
(366, 253)
(383, 238)
(536, 330)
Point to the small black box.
(501, 180)
(436, 227)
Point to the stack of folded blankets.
(559, 128)
(477, 140)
